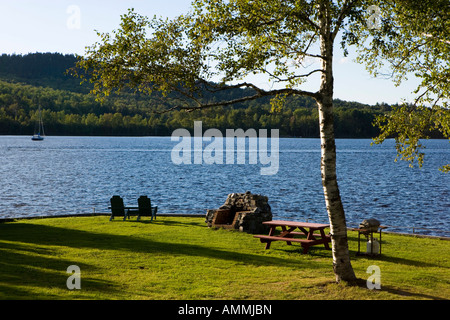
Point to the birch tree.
(412, 38)
(220, 45)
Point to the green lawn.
(180, 258)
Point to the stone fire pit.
(241, 211)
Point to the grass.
(180, 258)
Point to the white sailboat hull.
(37, 137)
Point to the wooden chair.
(117, 208)
(145, 208)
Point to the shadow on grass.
(23, 268)
(317, 251)
(56, 236)
(144, 220)
(385, 256)
(25, 262)
(362, 283)
(405, 293)
(392, 259)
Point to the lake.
(73, 175)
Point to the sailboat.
(37, 136)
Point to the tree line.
(69, 113)
(40, 80)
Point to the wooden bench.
(288, 240)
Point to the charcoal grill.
(367, 228)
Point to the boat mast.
(41, 123)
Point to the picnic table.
(308, 237)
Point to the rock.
(241, 211)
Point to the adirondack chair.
(145, 208)
(117, 208)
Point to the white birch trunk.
(338, 227)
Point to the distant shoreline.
(144, 136)
(184, 215)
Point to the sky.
(28, 26)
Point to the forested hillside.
(33, 80)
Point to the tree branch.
(292, 77)
(347, 5)
(259, 94)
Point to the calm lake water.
(73, 175)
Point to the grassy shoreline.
(178, 257)
(186, 215)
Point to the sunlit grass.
(180, 258)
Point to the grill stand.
(369, 235)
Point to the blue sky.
(63, 26)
